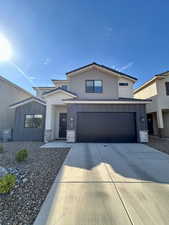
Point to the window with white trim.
(33, 121)
(94, 86)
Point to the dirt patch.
(22, 205)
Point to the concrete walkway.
(109, 184)
(57, 144)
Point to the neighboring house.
(29, 119)
(9, 93)
(156, 89)
(94, 104)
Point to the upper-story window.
(64, 87)
(123, 84)
(94, 86)
(167, 88)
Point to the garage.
(117, 127)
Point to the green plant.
(21, 155)
(7, 183)
(1, 149)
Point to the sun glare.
(5, 49)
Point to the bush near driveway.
(21, 155)
(7, 183)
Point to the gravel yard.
(37, 174)
(161, 144)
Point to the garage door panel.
(106, 127)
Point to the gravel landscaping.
(34, 179)
(161, 144)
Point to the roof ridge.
(105, 67)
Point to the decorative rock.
(25, 180)
(33, 181)
(3, 171)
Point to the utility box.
(7, 135)
(143, 136)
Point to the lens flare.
(5, 49)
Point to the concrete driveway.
(109, 184)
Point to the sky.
(52, 37)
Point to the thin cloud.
(32, 78)
(47, 61)
(125, 67)
(115, 67)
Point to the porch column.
(160, 121)
(48, 123)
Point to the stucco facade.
(110, 85)
(57, 100)
(9, 93)
(155, 90)
(109, 94)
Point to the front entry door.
(62, 125)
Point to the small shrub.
(7, 183)
(21, 155)
(1, 149)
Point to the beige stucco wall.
(110, 85)
(126, 91)
(161, 88)
(111, 88)
(60, 83)
(147, 92)
(40, 91)
(8, 96)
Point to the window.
(123, 84)
(64, 87)
(167, 88)
(94, 86)
(33, 121)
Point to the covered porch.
(56, 122)
(56, 115)
(158, 123)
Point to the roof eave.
(75, 71)
(57, 90)
(26, 101)
(106, 102)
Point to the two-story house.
(9, 93)
(156, 89)
(94, 104)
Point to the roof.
(14, 85)
(60, 89)
(155, 77)
(60, 80)
(26, 101)
(43, 87)
(108, 101)
(162, 74)
(104, 67)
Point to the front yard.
(34, 176)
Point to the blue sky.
(51, 37)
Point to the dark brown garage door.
(106, 127)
